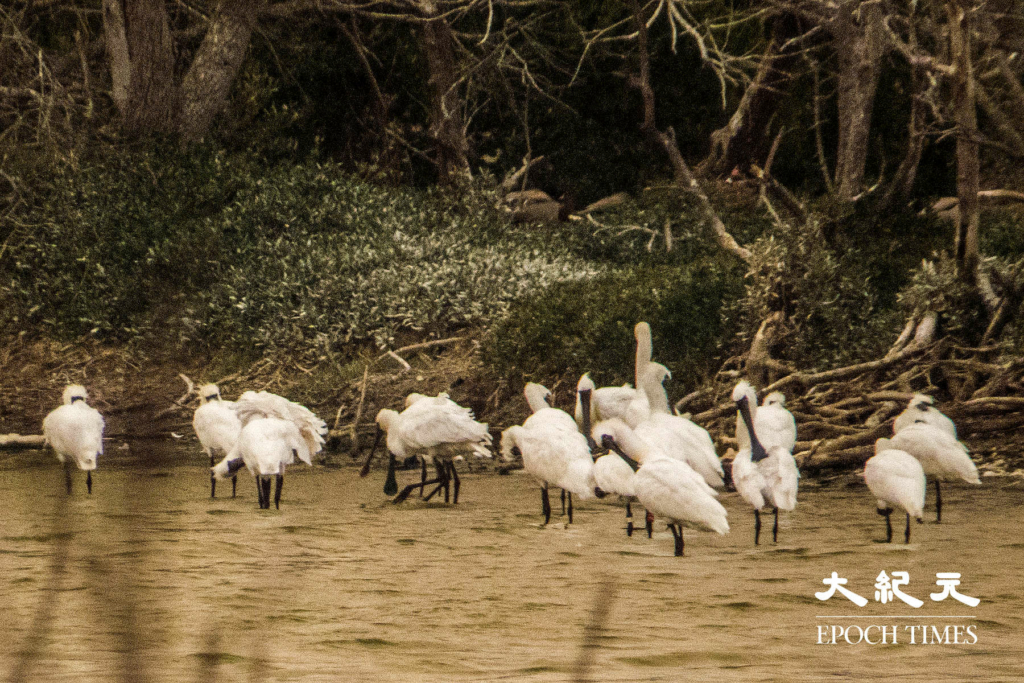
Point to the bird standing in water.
(75, 431)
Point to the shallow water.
(149, 579)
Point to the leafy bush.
(827, 295)
(211, 248)
(588, 326)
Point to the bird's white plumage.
(772, 481)
(613, 475)
(896, 479)
(775, 479)
(267, 445)
(275, 431)
(536, 396)
(775, 426)
(553, 455)
(921, 408)
(678, 436)
(216, 423)
(940, 454)
(434, 427)
(670, 489)
(75, 429)
(254, 405)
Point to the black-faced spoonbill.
(75, 430)
(670, 489)
(436, 429)
(921, 408)
(940, 454)
(217, 426)
(275, 432)
(679, 437)
(764, 471)
(896, 479)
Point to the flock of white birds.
(622, 441)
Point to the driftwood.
(841, 412)
(19, 441)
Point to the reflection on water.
(149, 579)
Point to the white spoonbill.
(922, 409)
(764, 472)
(275, 432)
(555, 456)
(75, 430)
(678, 436)
(941, 456)
(541, 411)
(217, 426)
(896, 479)
(437, 430)
(669, 489)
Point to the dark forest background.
(784, 184)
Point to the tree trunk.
(745, 140)
(446, 125)
(141, 64)
(860, 47)
(967, 163)
(208, 82)
(902, 183)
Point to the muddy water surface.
(148, 579)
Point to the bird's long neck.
(653, 387)
(644, 351)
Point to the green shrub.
(588, 326)
(212, 248)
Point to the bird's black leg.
(446, 480)
(234, 484)
(455, 477)
(649, 524)
(88, 482)
(906, 534)
(259, 492)
(67, 476)
(888, 523)
(266, 493)
(213, 479)
(629, 519)
(277, 491)
(570, 507)
(938, 502)
(563, 501)
(412, 487)
(775, 529)
(757, 526)
(545, 503)
(677, 534)
(423, 475)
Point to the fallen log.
(20, 441)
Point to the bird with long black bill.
(217, 425)
(275, 433)
(670, 489)
(764, 471)
(75, 431)
(435, 429)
